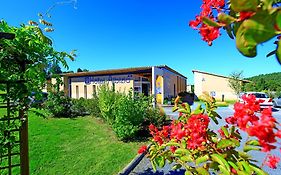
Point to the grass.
(76, 146)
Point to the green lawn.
(76, 146)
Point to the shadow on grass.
(149, 171)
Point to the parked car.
(266, 100)
(277, 101)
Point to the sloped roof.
(144, 69)
(217, 75)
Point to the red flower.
(208, 33)
(272, 161)
(142, 149)
(173, 149)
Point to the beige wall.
(79, 84)
(219, 85)
(173, 81)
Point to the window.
(85, 91)
(77, 91)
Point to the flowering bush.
(192, 144)
(251, 22)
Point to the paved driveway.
(144, 167)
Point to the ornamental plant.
(249, 22)
(192, 144)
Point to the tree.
(235, 81)
(79, 70)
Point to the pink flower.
(272, 161)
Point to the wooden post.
(24, 162)
(24, 128)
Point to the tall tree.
(235, 82)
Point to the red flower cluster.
(262, 127)
(142, 149)
(272, 161)
(159, 136)
(197, 126)
(208, 33)
(195, 130)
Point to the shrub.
(129, 115)
(79, 107)
(106, 102)
(92, 106)
(58, 104)
(155, 116)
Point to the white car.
(277, 101)
(266, 100)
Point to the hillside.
(271, 82)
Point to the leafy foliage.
(26, 57)
(263, 82)
(59, 105)
(235, 83)
(249, 22)
(190, 143)
(107, 102)
(128, 114)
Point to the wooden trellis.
(15, 155)
(15, 123)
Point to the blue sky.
(129, 33)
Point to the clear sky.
(130, 33)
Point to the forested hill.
(262, 82)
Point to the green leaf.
(183, 110)
(224, 170)
(225, 131)
(278, 51)
(187, 158)
(244, 155)
(182, 151)
(271, 53)
(210, 22)
(242, 173)
(175, 108)
(236, 142)
(250, 148)
(278, 19)
(253, 143)
(202, 159)
(244, 5)
(202, 171)
(247, 167)
(177, 166)
(187, 172)
(224, 143)
(258, 170)
(153, 164)
(229, 31)
(160, 161)
(226, 19)
(233, 165)
(219, 159)
(258, 29)
(183, 144)
(173, 144)
(214, 119)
